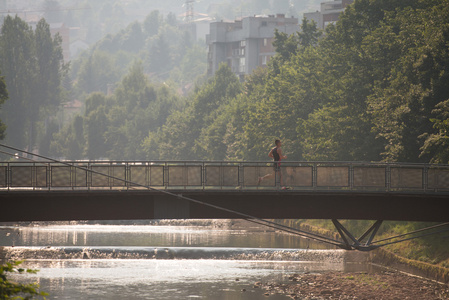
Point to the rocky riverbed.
(338, 285)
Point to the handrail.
(225, 175)
(237, 162)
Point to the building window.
(265, 42)
(242, 43)
(264, 23)
(264, 60)
(242, 65)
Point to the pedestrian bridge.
(118, 190)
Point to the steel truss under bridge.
(365, 241)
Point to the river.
(165, 260)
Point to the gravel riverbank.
(385, 285)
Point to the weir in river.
(164, 261)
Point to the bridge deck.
(120, 190)
(114, 205)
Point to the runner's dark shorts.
(277, 166)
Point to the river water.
(193, 260)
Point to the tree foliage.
(373, 87)
(33, 67)
(3, 98)
(165, 50)
(188, 134)
(114, 126)
(13, 290)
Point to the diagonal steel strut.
(357, 244)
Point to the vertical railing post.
(221, 175)
(148, 174)
(314, 176)
(127, 178)
(240, 175)
(72, 175)
(8, 176)
(203, 175)
(110, 182)
(277, 176)
(425, 177)
(351, 177)
(48, 177)
(185, 175)
(388, 177)
(88, 176)
(33, 176)
(165, 175)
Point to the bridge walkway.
(109, 190)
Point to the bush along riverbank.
(387, 258)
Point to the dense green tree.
(134, 39)
(3, 98)
(152, 23)
(224, 138)
(286, 45)
(325, 98)
(45, 139)
(19, 69)
(192, 65)
(209, 104)
(309, 34)
(47, 93)
(115, 126)
(373, 87)
(359, 52)
(68, 142)
(291, 89)
(418, 81)
(159, 56)
(95, 124)
(33, 65)
(171, 19)
(161, 47)
(96, 72)
(436, 144)
(185, 131)
(128, 116)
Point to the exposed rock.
(338, 285)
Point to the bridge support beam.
(351, 242)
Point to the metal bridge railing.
(201, 175)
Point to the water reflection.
(85, 261)
(165, 279)
(148, 235)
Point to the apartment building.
(329, 12)
(247, 43)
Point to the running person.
(276, 154)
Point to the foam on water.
(192, 253)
